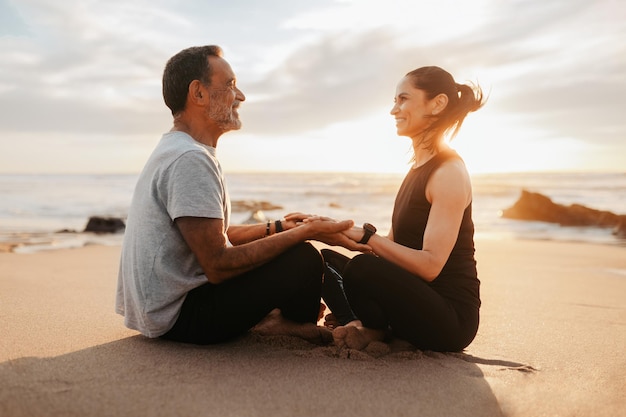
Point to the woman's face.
(411, 109)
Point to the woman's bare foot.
(274, 324)
(354, 336)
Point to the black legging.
(386, 297)
(332, 289)
(217, 313)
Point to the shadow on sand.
(250, 377)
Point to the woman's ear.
(439, 103)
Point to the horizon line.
(329, 172)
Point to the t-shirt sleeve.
(194, 187)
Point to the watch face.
(369, 231)
(369, 227)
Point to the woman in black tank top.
(419, 283)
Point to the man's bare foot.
(274, 324)
(355, 336)
(321, 313)
(330, 321)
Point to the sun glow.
(363, 145)
(488, 142)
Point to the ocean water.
(33, 208)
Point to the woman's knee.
(360, 268)
(363, 262)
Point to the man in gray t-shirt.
(185, 273)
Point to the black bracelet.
(279, 226)
(267, 228)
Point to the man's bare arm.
(206, 239)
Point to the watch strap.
(369, 230)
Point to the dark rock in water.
(99, 224)
(535, 206)
(253, 205)
(620, 229)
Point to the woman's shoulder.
(451, 177)
(447, 154)
(449, 165)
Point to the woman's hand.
(355, 233)
(298, 217)
(292, 220)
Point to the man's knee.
(308, 258)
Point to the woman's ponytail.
(462, 99)
(470, 100)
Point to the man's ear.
(439, 103)
(197, 93)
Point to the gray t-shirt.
(157, 268)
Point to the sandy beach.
(551, 343)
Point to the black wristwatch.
(369, 231)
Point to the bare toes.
(339, 336)
(355, 339)
(350, 337)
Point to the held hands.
(295, 219)
(355, 233)
(329, 231)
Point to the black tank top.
(458, 279)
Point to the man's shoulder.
(178, 142)
(176, 145)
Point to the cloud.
(332, 80)
(563, 72)
(545, 67)
(96, 66)
(86, 68)
(11, 23)
(79, 67)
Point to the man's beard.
(223, 115)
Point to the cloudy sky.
(80, 83)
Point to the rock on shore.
(99, 224)
(538, 207)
